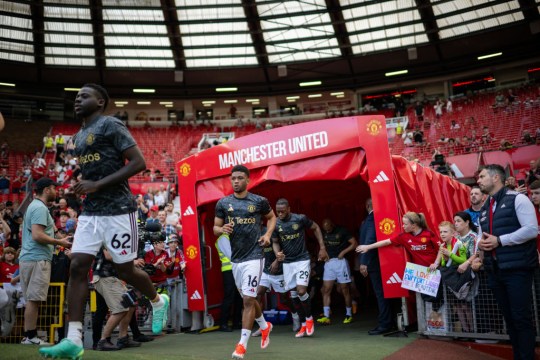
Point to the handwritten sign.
(420, 279)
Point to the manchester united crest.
(387, 226)
(374, 127)
(191, 252)
(295, 226)
(251, 208)
(90, 139)
(423, 240)
(185, 169)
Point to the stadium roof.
(242, 43)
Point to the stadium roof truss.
(167, 34)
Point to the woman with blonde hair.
(420, 242)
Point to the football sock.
(75, 332)
(306, 305)
(348, 311)
(262, 322)
(326, 310)
(244, 337)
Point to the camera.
(129, 299)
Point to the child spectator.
(8, 265)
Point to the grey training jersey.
(291, 235)
(269, 258)
(336, 241)
(245, 214)
(99, 147)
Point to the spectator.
(268, 125)
(5, 182)
(454, 126)
(446, 254)
(438, 107)
(17, 183)
(5, 231)
(477, 199)
(419, 111)
(420, 242)
(52, 173)
(399, 129)
(39, 166)
(533, 173)
(178, 262)
(408, 139)
(142, 210)
(418, 136)
(165, 228)
(159, 259)
(500, 101)
(153, 217)
(510, 256)
(8, 265)
(505, 145)
(449, 108)
(36, 256)
(527, 139)
(486, 136)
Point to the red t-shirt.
(422, 248)
(6, 271)
(151, 258)
(178, 258)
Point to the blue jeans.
(513, 291)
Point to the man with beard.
(509, 228)
(36, 256)
(477, 200)
(239, 216)
(109, 217)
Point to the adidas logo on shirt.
(124, 252)
(189, 211)
(394, 279)
(381, 177)
(196, 296)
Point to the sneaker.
(310, 327)
(265, 335)
(301, 333)
(65, 349)
(256, 333)
(347, 320)
(296, 324)
(324, 320)
(126, 342)
(159, 316)
(239, 352)
(34, 341)
(104, 345)
(143, 338)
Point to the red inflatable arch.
(325, 169)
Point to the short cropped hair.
(240, 168)
(101, 90)
(495, 169)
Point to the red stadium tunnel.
(326, 168)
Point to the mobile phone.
(521, 182)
